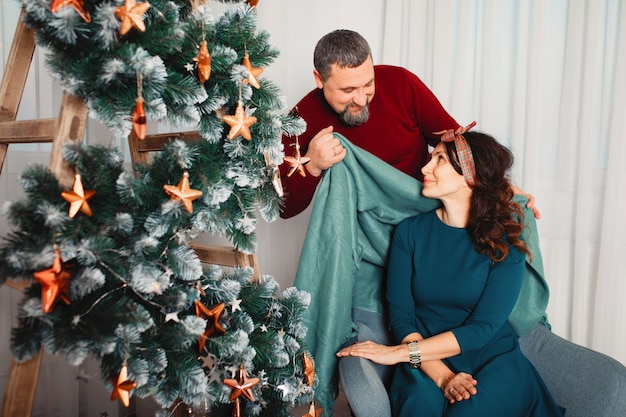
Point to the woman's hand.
(385, 355)
(460, 387)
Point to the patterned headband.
(466, 159)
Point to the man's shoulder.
(391, 70)
(313, 96)
(393, 75)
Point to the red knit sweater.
(403, 115)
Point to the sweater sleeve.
(298, 190)
(429, 112)
(495, 304)
(399, 275)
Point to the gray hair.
(345, 48)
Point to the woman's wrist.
(415, 354)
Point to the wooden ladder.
(70, 125)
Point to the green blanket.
(358, 203)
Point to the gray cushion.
(584, 382)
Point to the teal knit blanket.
(357, 205)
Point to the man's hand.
(531, 201)
(325, 150)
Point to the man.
(385, 110)
(389, 112)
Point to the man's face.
(349, 91)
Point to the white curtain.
(548, 79)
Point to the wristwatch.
(415, 356)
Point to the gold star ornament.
(183, 192)
(309, 369)
(78, 5)
(213, 325)
(313, 412)
(139, 119)
(122, 387)
(239, 123)
(253, 72)
(204, 62)
(276, 181)
(55, 283)
(296, 162)
(131, 16)
(78, 198)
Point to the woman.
(454, 275)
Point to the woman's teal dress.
(438, 282)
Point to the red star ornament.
(296, 162)
(139, 120)
(183, 192)
(131, 16)
(78, 198)
(204, 62)
(239, 123)
(253, 72)
(122, 387)
(213, 325)
(242, 385)
(55, 283)
(78, 5)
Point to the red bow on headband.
(463, 150)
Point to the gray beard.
(355, 119)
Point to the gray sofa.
(584, 382)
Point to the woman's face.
(440, 178)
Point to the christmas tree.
(114, 274)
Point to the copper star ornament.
(183, 192)
(122, 387)
(139, 120)
(55, 283)
(241, 385)
(204, 62)
(131, 16)
(276, 181)
(297, 162)
(309, 369)
(78, 198)
(313, 412)
(253, 72)
(78, 5)
(239, 123)
(213, 325)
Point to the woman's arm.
(455, 387)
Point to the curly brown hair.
(495, 220)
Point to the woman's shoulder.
(417, 220)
